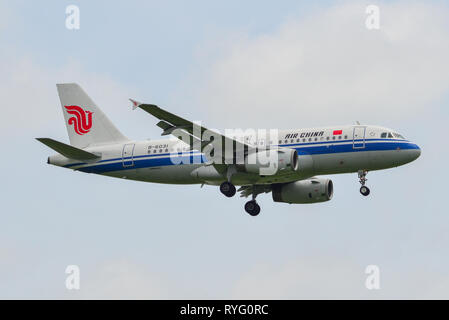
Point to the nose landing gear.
(364, 190)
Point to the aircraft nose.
(416, 152)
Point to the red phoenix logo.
(82, 120)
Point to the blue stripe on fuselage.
(167, 159)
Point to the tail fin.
(86, 124)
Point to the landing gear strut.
(228, 189)
(364, 190)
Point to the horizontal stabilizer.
(67, 150)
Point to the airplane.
(286, 163)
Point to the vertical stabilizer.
(86, 124)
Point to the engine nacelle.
(304, 191)
(272, 161)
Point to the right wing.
(249, 190)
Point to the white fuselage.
(328, 150)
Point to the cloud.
(5, 16)
(308, 278)
(327, 277)
(328, 67)
(121, 279)
(30, 103)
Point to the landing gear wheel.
(228, 189)
(364, 191)
(252, 208)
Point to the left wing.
(199, 136)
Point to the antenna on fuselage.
(357, 123)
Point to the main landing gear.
(364, 190)
(252, 208)
(228, 189)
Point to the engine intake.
(305, 191)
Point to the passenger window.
(310, 139)
(316, 139)
(303, 139)
(327, 138)
(339, 137)
(346, 137)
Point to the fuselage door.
(128, 155)
(359, 138)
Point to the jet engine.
(272, 161)
(304, 191)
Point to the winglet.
(135, 103)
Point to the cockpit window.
(385, 135)
(397, 135)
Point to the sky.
(233, 64)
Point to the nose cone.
(407, 154)
(416, 152)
